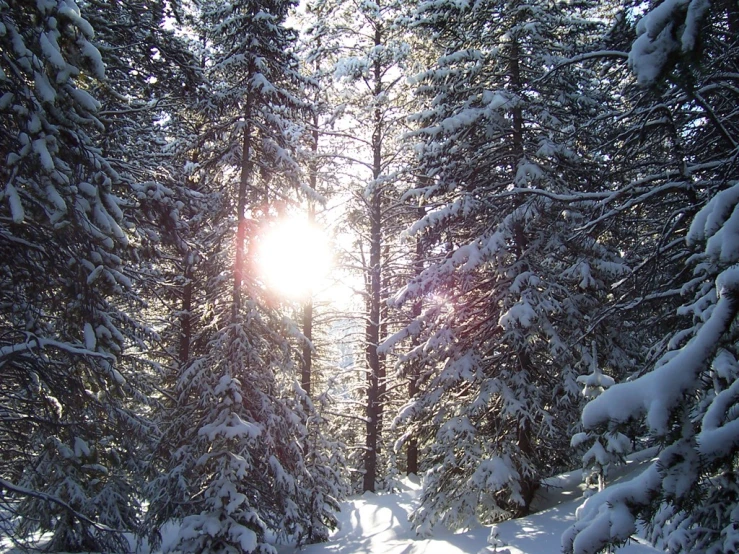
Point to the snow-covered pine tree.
(154, 71)
(325, 451)
(336, 402)
(70, 418)
(236, 477)
(684, 54)
(512, 285)
(368, 52)
(325, 460)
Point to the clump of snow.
(43, 88)
(16, 206)
(232, 426)
(85, 99)
(51, 52)
(595, 383)
(39, 146)
(90, 338)
(606, 516)
(493, 474)
(520, 314)
(719, 430)
(709, 220)
(671, 27)
(527, 173)
(350, 68)
(72, 12)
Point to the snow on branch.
(37, 342)
(582, 58)
(660, 36)
(657, 393)
(54, 500)
(232, 427)
(720, 434)
(607, 517)
(710, 220)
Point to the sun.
(294, 258)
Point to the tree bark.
(186, 310)
(514, 70)
(529, 485)
(186, 316)
(246, 175)
(307, 365)
(415, 369)
(374, 408)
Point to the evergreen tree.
(369, 53)
(236, 477)
(72, 384)
(686, 398)
(603, 451)
(512, 285)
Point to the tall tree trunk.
(375, 287)
(381, 358)
(307, 361)
(529, 485)
(307, 365)
(415, 369)
(514, 70)
(246, 176)
(186, 310)
(188, 269)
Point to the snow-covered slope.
(378, 524)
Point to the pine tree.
(680, 58)
(511, 284)
(237, 477)
(325, 451)
(603, 451)
(368, 52)
(72, 386)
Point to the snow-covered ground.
(378, 524)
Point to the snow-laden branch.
(54, 500)
(567, 198)
(37, 342)
(657, 393)
(607, 517)
(618, 54)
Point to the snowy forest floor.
(378, 523)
